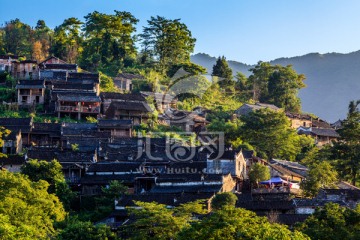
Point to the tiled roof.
(320, 124)
(228, 155)
(348, 193)
(130, 106)
(62, 156)
(298, 116)
(115, 167)
(123, 96)
(326, 132)
(54, 129)
(248, 154)
(76, 129)
(79, 75)
(12, 159)
(105, 179)
(109, 123)
(315, 202)
(53, 75)
(15, 122)
(59, 66)
(292, 166)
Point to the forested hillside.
(332, 80)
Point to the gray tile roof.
(326, 132)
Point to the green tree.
(269, 132)
(284, 84)
(106, 83)
(223, 200)
(75, 229)
(51, 172)
(321, 175)
(347, 151)
(156, 221)
(258, 173)
(332, 222)
(68, 40)
(109, 41)
(277, 85)
(243, 87)
(17, 38)
(236, 223)
(43, 36)
(222, 70)
(27, 210)
(168, 41)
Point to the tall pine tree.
(222, 70)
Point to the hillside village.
(101, 140)
(108, 150)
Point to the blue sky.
(242, 30)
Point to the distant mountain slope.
(332, 80)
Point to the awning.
(274, 180)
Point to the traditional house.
(12, 163)
(228, 161)
(30, 92)
(5, 62)
(291, 171)
(123, 81)
(78, 106)
(26, 69)
(55, 67)
(100, 174)
(322, 136)
(74, 163)
(50, 75)
(46, 134)
(247, 108)
(299, 120)
(25, 125)
(85, 78)
(117, 128)
(52, 60)
(138, 112)
(12, 142)
(108, 97)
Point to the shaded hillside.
(333, 80)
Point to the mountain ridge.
(332, 79)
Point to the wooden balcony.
(76, 109)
